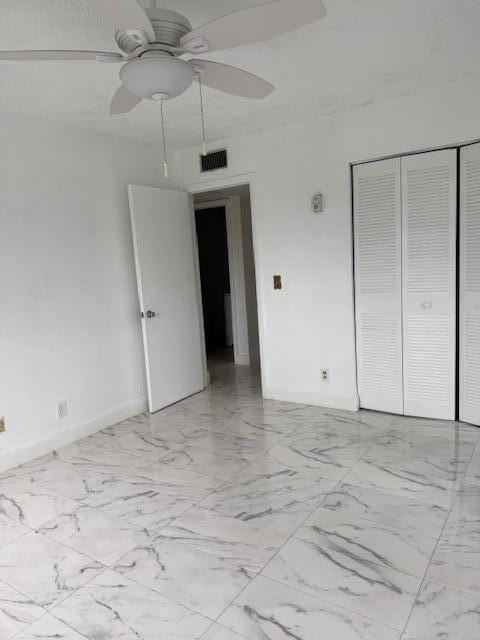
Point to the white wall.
(69, 326)
(310, 324)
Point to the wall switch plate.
(325, 375)
(277, 282)
(62, 410)
(2, 425)
(317, 203)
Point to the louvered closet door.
(377, 231)
(470, 285)
(429, 194)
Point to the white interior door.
(168, 292)
(470, 285)
(378, 284)
(429, 196)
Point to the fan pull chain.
(165, 157)
(202, 111)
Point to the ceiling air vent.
(214, 160)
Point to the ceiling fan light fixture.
(157, 76)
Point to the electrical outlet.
(325, 375)
(2, 425)
(62, 409)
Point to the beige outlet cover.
(2, 425)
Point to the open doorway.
(211, 227)
(223, 221)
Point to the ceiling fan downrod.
(202, 115)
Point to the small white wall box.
(317, 203)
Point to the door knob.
(427, 305)
(150, 314)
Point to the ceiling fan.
(153, 41)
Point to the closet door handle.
(427, 305)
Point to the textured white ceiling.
(364, 51)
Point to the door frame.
(249, 179)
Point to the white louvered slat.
(428, 358)
(471, 387)
(379, 367)
(470, 284)
(429, 283)
(377, 230)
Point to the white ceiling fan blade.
(253, 25)
(123, 101)
(232, 80)
(125, 14)
(58, 55)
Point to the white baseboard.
(59, 438)
(346, 403)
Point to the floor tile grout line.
(376, 563)
(258, 573)
(435, 549)
(295, 430)
(331, 603)
(227, 481)
(283, 545)
(45, 615)
(368, 520)
(144, 586)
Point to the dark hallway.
(215, 280)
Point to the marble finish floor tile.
(45, 570)
(466, 508)
(270, 494)
(148, 448)
(29, 471)
(267, 610)
(17, 612)
(441, 613)
(456, 561)
(327, 453)
(395, 512)
(94, 533)
(208, 460)
(117, 463)
(233, 517)
(49, 628)
(179, 482)
(240, 543)
(409, 423)
(345, 579)
(78, 482)
(261, 420)
(473, 469)
(10, 530)
(216, 632)
(31, 504)
(362, 423)
(407, 552)
(192, 578)
(421, 479)
(111, 607)
(79, 447)
(142, 502)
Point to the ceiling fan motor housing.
(157, 76)
(169, 26)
